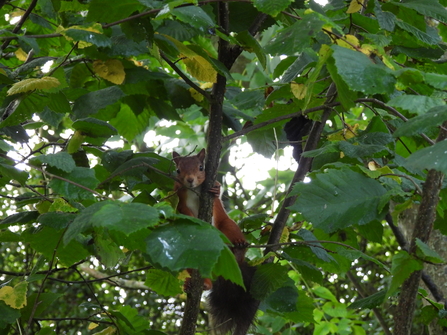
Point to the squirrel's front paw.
(240, 244)
(215, 191)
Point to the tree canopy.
(95, 95)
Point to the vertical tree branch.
(403, 318)
(20, 23)
(303, 168)
(227, 56)
(214, 147)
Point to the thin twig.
(206, 95)
(20, 23)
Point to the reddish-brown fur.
(191, 174)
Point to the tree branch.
(20, 23)
(403, 318)
(303, 168)
(185, 77)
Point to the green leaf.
(295, 38)
(126, 218)
(162, 109)
(372, 231)
(22, 109)
(130, 322)
(430, 158)
(324, 293)
(306, 58)
(94, 127)
(425, 253)
(272, 8)
(420, 124)
(360, 73)
(402, 267)
(317, 248)
(92, 102)
(418, 104)
(421, 35)
(195, 16)
(338, 199)
(107, 250)
(430, 8)
(283, 300)
(355, 254)
(80, 176)
(49, 240)
(128, 124)
(361, 150)
(61, 160)
(56, 220)
(267, 279)
(183, 245)
(99, 40)
(345, 95)
(436, 80)
(8, 314)
(162, 282)
(119, 10)
(19, 218)
(135, 167)
(58, 103)
(305, 309)
(45, 300)
(372, 301)
(250, 44)
(8, 172)
(263, 141)
(387, 20)
(307, 270)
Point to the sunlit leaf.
(355, 6)
(162, 282)
(111, 69)
(14, 296)
(34, 84)
(200, 69)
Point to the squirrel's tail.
(232, 308)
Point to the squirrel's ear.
(201, 154)
(176, 157)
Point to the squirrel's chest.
(192, 201)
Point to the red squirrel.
(190, 176)
(232, 308)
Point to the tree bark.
(403, 319)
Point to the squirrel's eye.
(201, 167)
(178, 171)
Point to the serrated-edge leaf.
(421, 35)
(419, 124)
(270, 7)
(370, 302)
(338, 199)
(61, 160)
(403, 265)
(32, 84)
(433, 157)
(427, 254)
